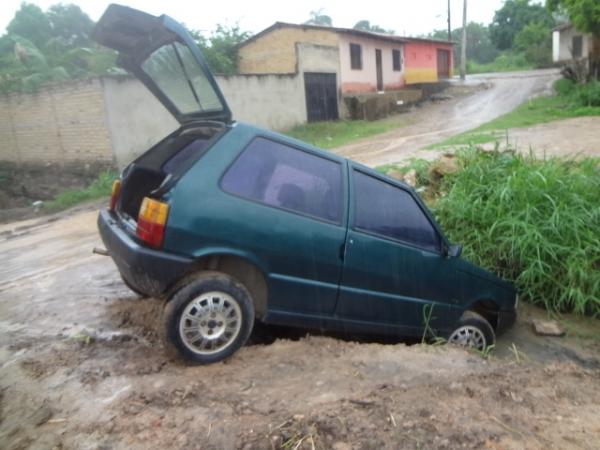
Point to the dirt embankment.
(22, 185)
(81, 366)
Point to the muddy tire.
(208, 318)
(132, 289)
(473, 331)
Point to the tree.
(70, 24)
(479, 45)
(220, 49)
(535, 42)
(31, 23)
(511, 19)
(585, 16)
(318, 18)
(365, 25)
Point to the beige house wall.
(275, 52)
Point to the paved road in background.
(434, 122)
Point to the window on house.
(391, 212)
(355, 56)
(577, 46)
(288, 178)
(396, 60)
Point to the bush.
(589, 94)
(505, 62)
(534, 222)
(564, 87)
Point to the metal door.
(443, 63)
(321, 96)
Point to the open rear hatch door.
(161, 54)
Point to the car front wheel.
(473, 331)
(208, 319)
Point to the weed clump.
(534, 222)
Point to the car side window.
(387, 210)
(286, 177)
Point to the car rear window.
(285, 177)
(389, 211)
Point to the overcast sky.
(409, 17)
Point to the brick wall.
(275, 52)
(64, 123)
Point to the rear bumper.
(151, 272)
(506, 319)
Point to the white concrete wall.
(365, 80)
(274, 101)
(80, 121)
(563, 44)
(136, 120)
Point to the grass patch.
(505, 62)
(534, 222)
(336, 133)
(578, 102)
(99, 188)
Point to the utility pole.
(449, 27)
(463, 46)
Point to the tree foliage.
(220, 48)
(512, 17)
(365, 25)
(479, 45)
(534, 42)
(318, 18)
(584, 14)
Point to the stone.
(547, 328)
(410, 177)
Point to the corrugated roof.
(563, 26)
(352, 31)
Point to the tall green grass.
(535, 222)
(99, 188)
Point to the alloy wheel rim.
(469, 336)
(210, 323)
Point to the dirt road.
(82, 367)
(433, 123)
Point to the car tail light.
(151, 221)
(114, 194)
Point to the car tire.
(473, 331)
(134, 290)
(208, 318)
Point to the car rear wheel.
(473, 331)
(208, 318)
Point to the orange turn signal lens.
(151, 221)
(114, 194)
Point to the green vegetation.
(571, 100)
(101, 187)
(340, 132)
(41, 47)
(535, 222)
(505, 62)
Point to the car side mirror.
(454, 251)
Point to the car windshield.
(175, 71)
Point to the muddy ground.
(82, 367)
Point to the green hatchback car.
(231, 224)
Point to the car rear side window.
(389, 211)
(288, 178)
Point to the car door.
(393, 262)
(161, 54)
(290, 207)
